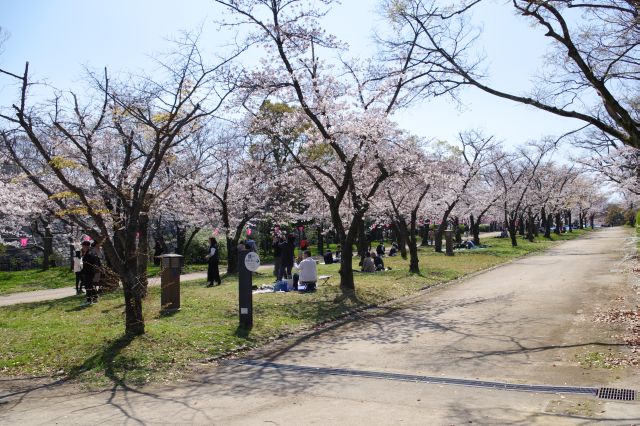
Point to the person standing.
(277, 240)
(287, 251)
(77, 268)
(213, 258)
(90, 265)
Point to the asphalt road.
(527, 322)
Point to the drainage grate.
(617, 394)
(417, 378)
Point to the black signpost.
(244, 287)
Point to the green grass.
(88, 344)
(58, 277)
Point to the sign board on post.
(252, 261)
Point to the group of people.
(329, 259)
(86, 264)
(284, 262)
(372, 262)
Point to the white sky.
(60, 37)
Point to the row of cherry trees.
(304, 135)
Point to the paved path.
(530, 321)
(61, 293)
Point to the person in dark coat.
(277, 240)
(287, 252)
(213, 258)
(328, 258)
(90, 266)
(377, 260)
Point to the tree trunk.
(424, 234)
(521, 227)
(558, 223)
(232, 255)
(362, 241)
(47, 246)
(441, 228)
(591, 218)
(320, 230)
(133, 294)
(402, 239)
(346, 266)
(413, 246)
(530, 226)
(547, 219)
(513, 233)
(569, 221)
(456, 230)
(475, 229)
(143, 252)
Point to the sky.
(60, 38)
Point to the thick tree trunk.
(133, 295)
(402, 239)
(513, 233)
(346, 266)
(475, 229)
(569, 221)
(414, 266)
(232, 255)
(456, 230)
(546, 222)
(530, 226)
(441, 228)
(521, 227)
(558, 223)
(591, 219)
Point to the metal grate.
(617, 394)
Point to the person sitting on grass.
(308, 273)
(378, 262)
(367, 263)
(380, 249)
(328, 258)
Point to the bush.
(198, 248)
(484, 228)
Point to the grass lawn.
(88, 344)
(58, 277)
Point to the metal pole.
(245, 296)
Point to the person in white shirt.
(308, 273)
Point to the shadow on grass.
(105, 360)
(243, 332)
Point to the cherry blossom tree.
(346, 147)
(516, 173)
(99, 160)
(460, 169)
(591, 73)
(404, 196)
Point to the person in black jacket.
(277, 240)
(287, 251)
(90, 266)
(213, 273)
